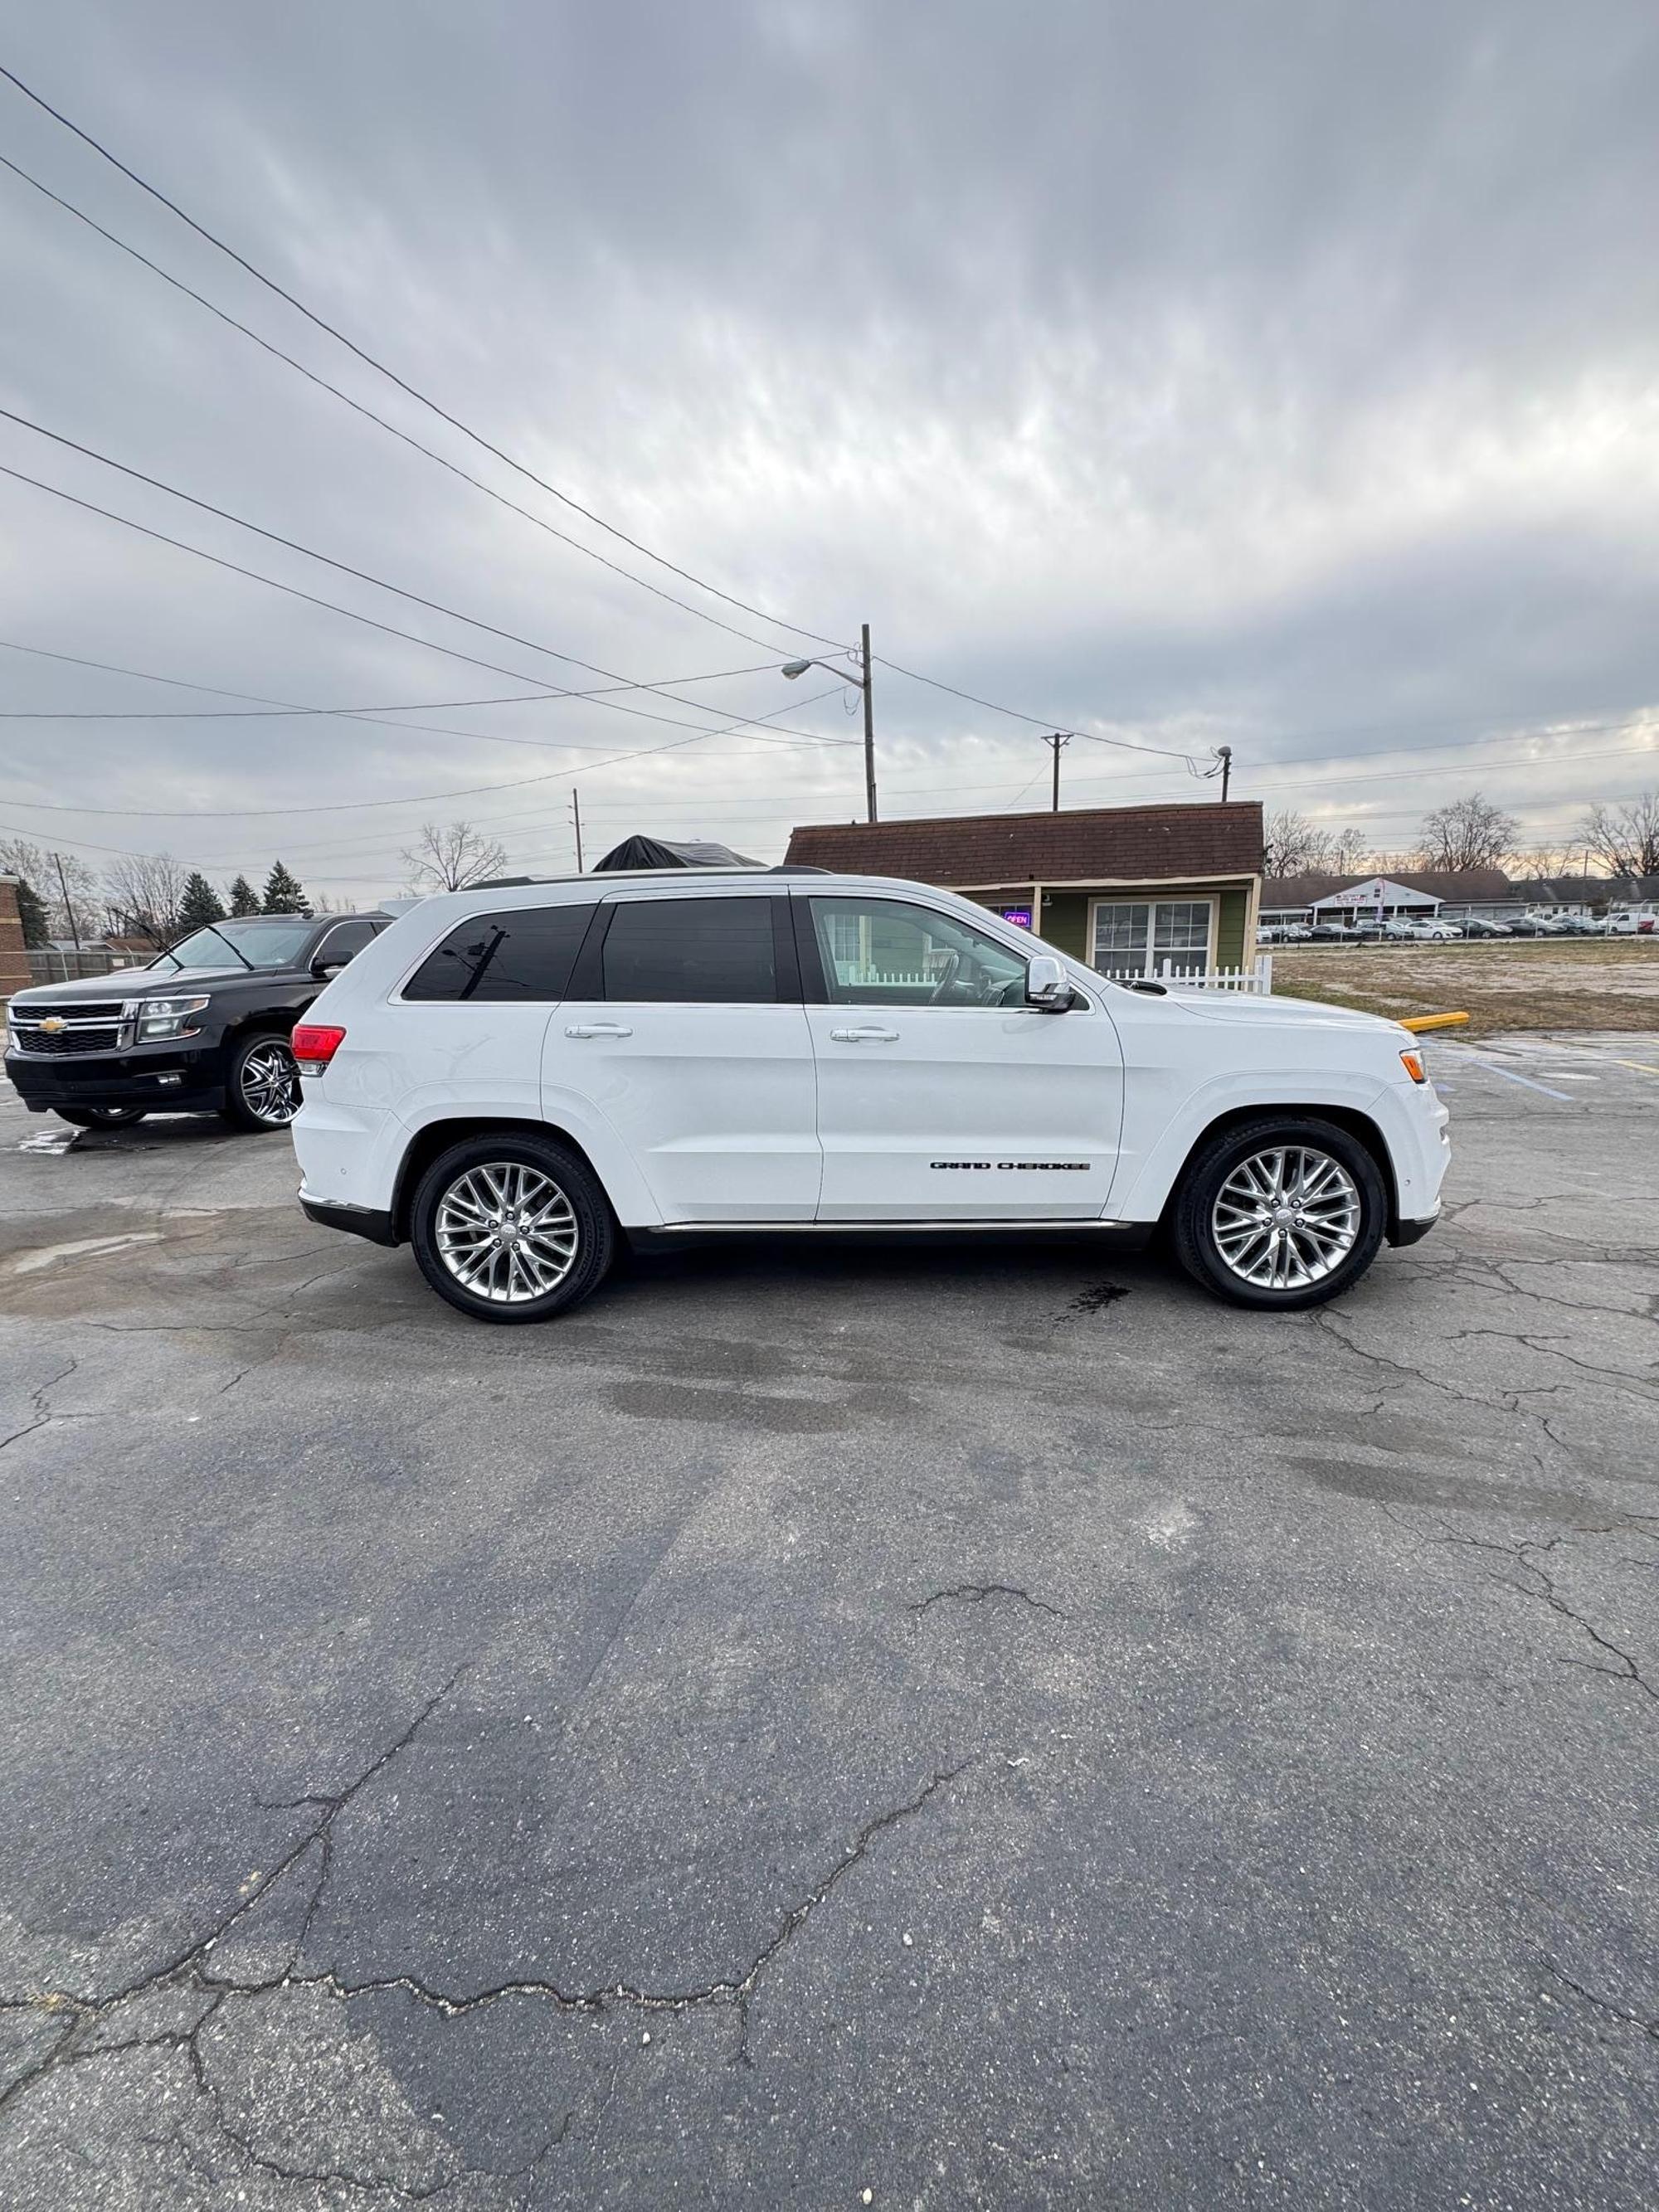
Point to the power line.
(369, 413)
(345, 567)
(276, 709)
(413, 391)
(1038, 722)
(352, 614)
(354, 805)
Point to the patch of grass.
(1513, 984)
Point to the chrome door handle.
(865, 1037)
(598, 1029)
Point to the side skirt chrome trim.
(879, 1228)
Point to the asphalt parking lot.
(927, 1729)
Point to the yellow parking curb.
(1433, 1021)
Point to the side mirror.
(324, 969)
(1047, 987)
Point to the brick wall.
(13, 960)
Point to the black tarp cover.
(659, 852)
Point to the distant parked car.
(1480, 925)
(1629, 923)
(203, 1030)
(1434, 932)
(1330, 933)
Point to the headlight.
(165, 1017)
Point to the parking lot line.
(1498, 1068)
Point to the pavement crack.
(1649, 2028)
(40, 1400)
(976, 1593)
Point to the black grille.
(95, 1027)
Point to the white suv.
(511, 1079)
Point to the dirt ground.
(1520, 984)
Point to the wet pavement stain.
(1097, 1298)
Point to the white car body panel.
(966, 1114)
(759, 1113)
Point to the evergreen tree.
(32, 912)
(244, 899)
(283, 894)
(200, 903)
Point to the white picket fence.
(1257, 978)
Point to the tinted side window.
(523, 955)
(344, 942)
(715, 952)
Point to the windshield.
(238, 944)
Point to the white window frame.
(1152, 899)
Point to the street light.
(794, 668)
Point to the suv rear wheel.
(262, 1085)
(511, 1228)
(1284, 1212)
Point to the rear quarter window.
(521, 956)
(708, 951)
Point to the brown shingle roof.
(1453, 883)
(1097, 844)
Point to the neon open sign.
(1021, 915)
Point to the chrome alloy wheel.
(270, 1082)
(506, 1232)
(1285, 1218)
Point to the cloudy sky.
(1281, 375)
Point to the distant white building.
(1378, 898)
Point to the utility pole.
(1054, 744)
(69, 904)
(1224, 755)
(576, 815)
(864, 680)
(869, 727)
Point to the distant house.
(1124, 888)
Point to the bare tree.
(1288, 840)
(78, 915)
(1294, 846)
(449, 860)
(1624, 839)
(145, 891)
(1467, 833)
(1537, 863)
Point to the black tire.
(1193, 1216)
(583, 1216)
(244, 1093)
(100, 1117)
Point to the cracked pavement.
(982, 1727)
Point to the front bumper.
(1411, 1232)
(160, 1076)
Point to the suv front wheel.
(1284, 1212)
(511, 1228)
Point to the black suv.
(203, 1030)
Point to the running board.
(1132, 1232)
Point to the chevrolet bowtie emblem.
(52, 1023)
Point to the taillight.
(314, 1045)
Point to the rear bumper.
(167, 1080)
(355, 1220)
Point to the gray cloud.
(1280, 374)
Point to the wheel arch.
(1358, 1124)
(436, 1137)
